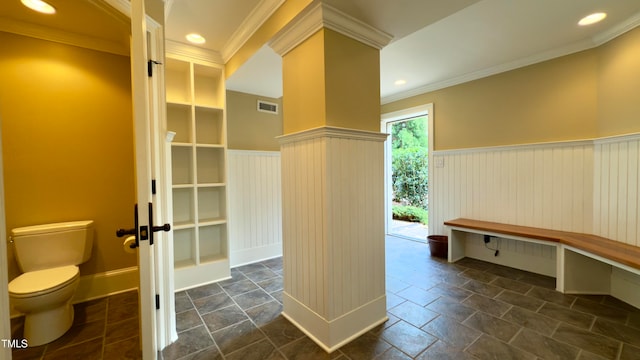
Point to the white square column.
(333, 233)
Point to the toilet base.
(46, 326)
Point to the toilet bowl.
(49, 256)
(44, 296)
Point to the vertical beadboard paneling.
(632, 204)
(582, 186)
(616, 195)
(255, 205)
(334, 259)
(528, 185)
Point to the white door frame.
(5, 326)
(420, 110)
(142, 136)
(160, 150)
(157, 328)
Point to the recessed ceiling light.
(39, 6)
(196, 38)
(592, 19)
(400, 82)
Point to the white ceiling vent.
(268, 107)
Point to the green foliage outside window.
(409, 163)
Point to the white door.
(157, 328)
(5, 326)
(144, 197)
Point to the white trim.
(333, 132)
(565, 143)
(189, 277)
(318, 15)
(254, 152)
(192, 53)
(254, 254)
(166, 320)
(617, 30)
(123, 6)
(420, 110)
(617, 138)
(596, 41)
(104, 284)
(330, 335)
(249, 26)
(625, 286)
(63, 37)
(5, 324)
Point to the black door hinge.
(157, 302)
(153, 187)
(150, 66)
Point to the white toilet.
(48, 256)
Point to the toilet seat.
(40, 282)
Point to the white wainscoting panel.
(333, 231)
(255, 206)
(589, 186)
(547, 185)
(616, 181)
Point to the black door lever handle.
(165, 228)
(124, 232)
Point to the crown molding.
(617, 30)
(63, 37)
(494, 70)
(261, 13)
(123, 6)
(192, 52)
(319, 15)
(598, 40)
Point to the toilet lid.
(42, 280)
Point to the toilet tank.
(46, 246)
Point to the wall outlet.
(439, 161)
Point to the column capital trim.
(332, 132)
(319, 15)
(192, 52)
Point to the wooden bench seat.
(613, 250)
(583, 264)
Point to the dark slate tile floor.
(105, 328)
(467, 310)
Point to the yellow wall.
(584, 95)
(67, 137)
(619, 85)
(331, 80)
(352, 72)
(248, 128)
(304, 101)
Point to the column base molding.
(333, 334)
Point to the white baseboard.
(101, 285)
(625, 286)
(252, 255)
(104, 284)
(333, 334)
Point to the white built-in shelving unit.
(195, 94)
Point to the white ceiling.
(442, 43)
(436, 43)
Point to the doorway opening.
(407, 172)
